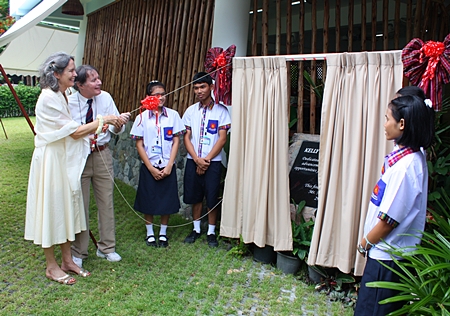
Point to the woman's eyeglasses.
(159, 95)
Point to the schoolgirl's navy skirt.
(157, 197)
(368, 297)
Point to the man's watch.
(362, 250)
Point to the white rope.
(139, 215)
(169, 93)
(117, 187)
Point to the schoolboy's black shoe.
(212, 240)
(192, 237)
(151, 243)
(165, 242)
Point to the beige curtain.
(256, 196)
(358, 89)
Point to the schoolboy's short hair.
(418, 121)
(202, 77)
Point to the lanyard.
(202, 128)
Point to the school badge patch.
(213, 126)
(378, 192)
(168, 133)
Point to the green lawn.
(180, 280)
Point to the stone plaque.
(303, 177)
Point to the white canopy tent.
(30, 44)
(29, 50)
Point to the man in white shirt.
(86, 104)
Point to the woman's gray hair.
(57, 62)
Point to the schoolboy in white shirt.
(206, 124)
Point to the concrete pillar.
(231, 20)
(89, 6)
(81, 40)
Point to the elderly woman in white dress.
(54, 203)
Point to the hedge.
(27, 95)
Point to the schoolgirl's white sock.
(149, 229)
(197, 226)
(211, 229)
(163, 230)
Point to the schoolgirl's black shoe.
(151, 241)
(164, 242)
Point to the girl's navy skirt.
(157, 197)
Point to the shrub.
(302, 232)
(439, 156)
(27, 95)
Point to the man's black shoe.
(193, 236)
(212, 240)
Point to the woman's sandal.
(66, 279)
(82, 272)
(151, 243)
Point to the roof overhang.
(36, 15)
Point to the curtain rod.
(299, 57)
(322, 56)
(303, 57)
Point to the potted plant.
(289, 262)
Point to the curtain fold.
(256, 195)
(357, 91)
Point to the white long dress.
(54, 201)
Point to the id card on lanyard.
(205, 140)
(157, 148)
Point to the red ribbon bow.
(150, 103)
(427, 65)
(218, 61)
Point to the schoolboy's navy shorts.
(197, 187)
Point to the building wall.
(290, 27)
(134, 42)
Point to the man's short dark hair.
(202, 77)
(82, 74)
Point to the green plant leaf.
(302, 253)
(318, 90)
(293, 122)
(300, 207)
(430, 167)
(433, 196)
(345, 278)
(320, 270)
